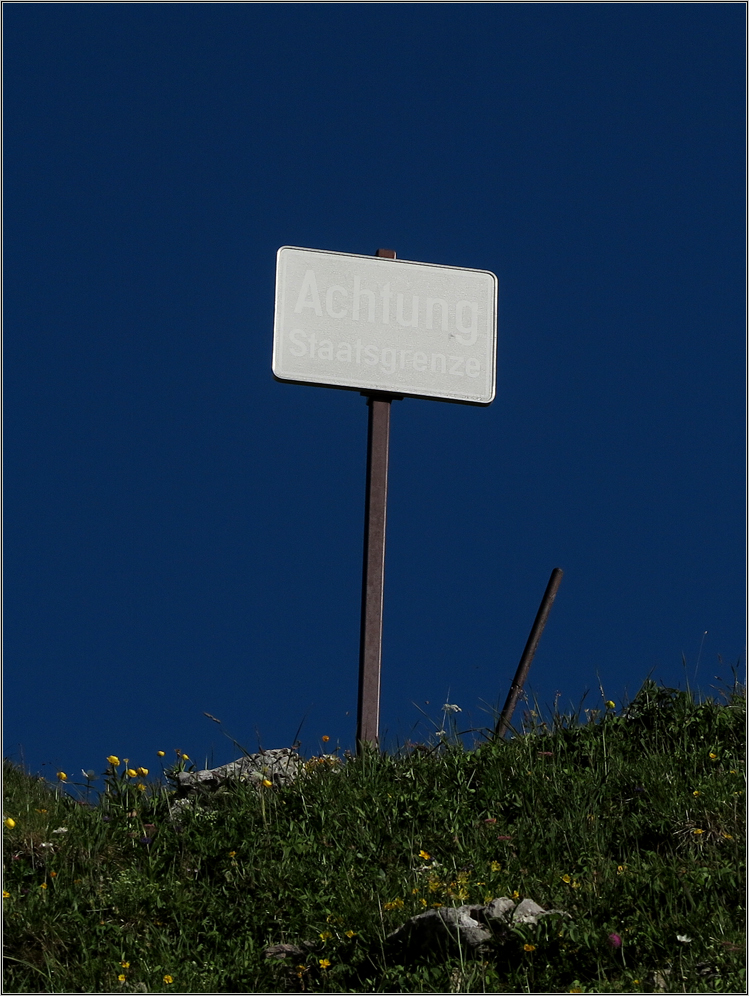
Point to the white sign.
(389, 325)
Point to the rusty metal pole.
(528, 654)
(373, 573)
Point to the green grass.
(634, 824)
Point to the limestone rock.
(528, 912)
(442, 929)
(468, 929)
(290, 951)
(499, 909)
(280, 767)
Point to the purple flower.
(615, 941)
(145, 840)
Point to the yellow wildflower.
(6, 895)
(120, 978)
(43, 885)
(516, 894)
(325, 936)
(350, 933)
(62, 776)
(232, 854)
(114, 760)
(566, 879)
(610, 704)
(529, 947)
(132, 773)
(141, 787)
(267, 783)
(697, 830)
(159, 753)
(495, 866)
(125, 964)
(168, 979)
(713, 757)
(425, 855)
(695, 793)
(143, 772)
(324, 963)
(9, 822)
(325, 739)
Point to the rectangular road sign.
(395, 326)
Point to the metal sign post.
(373, 573)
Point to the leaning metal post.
(530, 649)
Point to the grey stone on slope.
(281, 952)
(527, 912)
(441, 929)
(280, 767)
(499, 910)
(468, 929)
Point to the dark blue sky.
(184, 534)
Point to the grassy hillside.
(631, 822)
